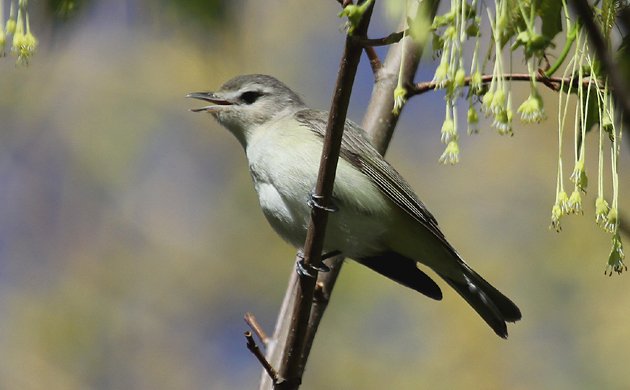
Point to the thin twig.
(552, 83)
(250, 319)
(293, 363)
(251, 345)
(375, 62)
(384, 41)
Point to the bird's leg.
(303, 270)
(313, 202)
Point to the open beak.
(211, 97)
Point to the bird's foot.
(311, 270)
(314, 202)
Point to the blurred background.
(131, 242)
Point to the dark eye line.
(250, 97)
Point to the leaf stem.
(571, 35)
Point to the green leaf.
(550, 13)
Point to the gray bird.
(379, 221)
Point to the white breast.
(284, 161)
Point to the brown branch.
(323, 291)
(250, 319)
(553, 83)
(251, 345)
(294, 360)
(384, 41)
(375, 62)
(379, 122)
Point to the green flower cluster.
(511, 20)
(450, 32)
(18, 28)
(593, 94)
(530, 27)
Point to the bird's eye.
(250, 97)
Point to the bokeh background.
(131, 243)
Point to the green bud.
(473, 120)
(448, 130)
(532, 110)
(579, 176)
(400, 97)
(498, 101)
(10, 27)
(451, 153)
(503, 122)
(486, 101)
(611, 221)
(556, 215)
(441, 74)
(615, 260)
(563, 202)
(575, 203)
(475, 82)
(460, 77)
(601, 211)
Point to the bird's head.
(246, 102)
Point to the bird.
(377, 220)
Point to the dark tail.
(494, 307)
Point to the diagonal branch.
(293, 363)
(379, 122)
(253, 348)
(375, 62)
(384, 41)
(250, 319)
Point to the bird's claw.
(314, 202)
(309, 270)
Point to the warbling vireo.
(378, 221)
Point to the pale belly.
(357, 228)
(353, 233)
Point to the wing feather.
(358, 151)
